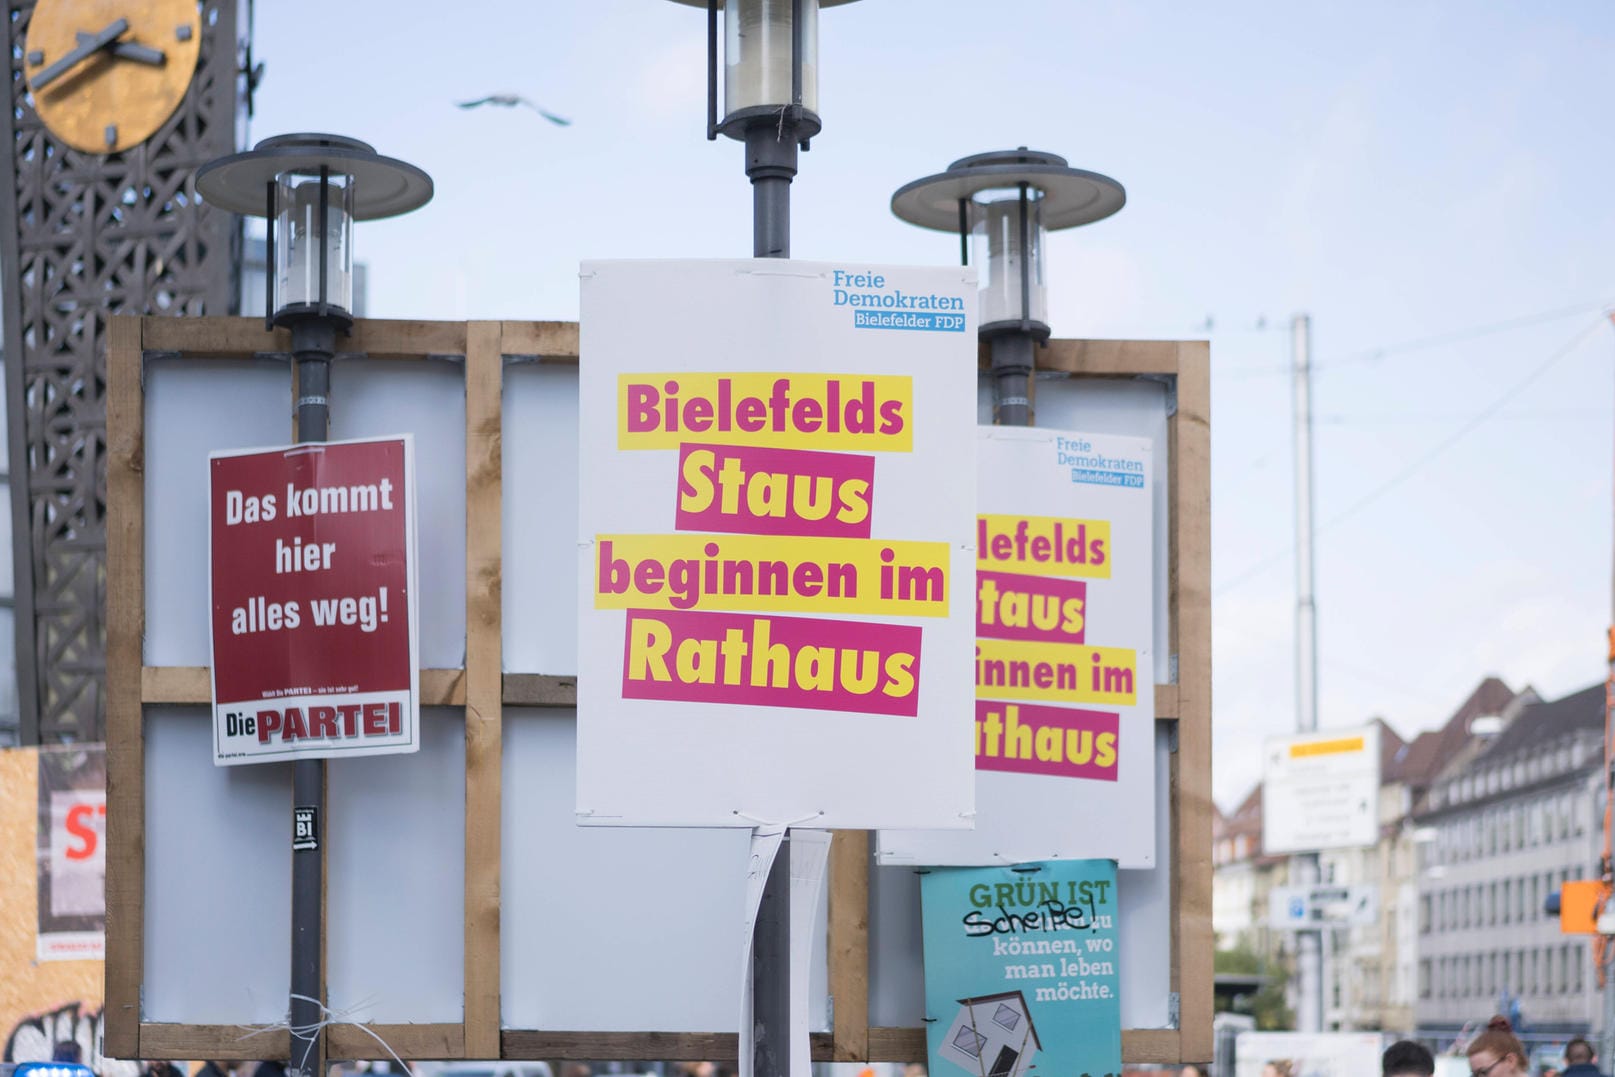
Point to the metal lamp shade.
(311, 188)
(1007, 202)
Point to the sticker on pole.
(312, 583)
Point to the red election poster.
(312, 577)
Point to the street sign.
(1296, 907)
(1321, 791)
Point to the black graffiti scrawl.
(34, 1039)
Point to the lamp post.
(771, 104)
(770, 99)
(1004, 204)
(310, 188)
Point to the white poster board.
(1064, 675)
(775, 546)
(1320, 790)
(1306, 1054)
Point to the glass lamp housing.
(1000, 244)
(757, 55)
(304, 241)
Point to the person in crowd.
(214, 1069)
(1580, 1061)
(1404, 1057)
(1192, 1070)
(1497, 1052)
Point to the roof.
(1427, 753)
(1545, 722)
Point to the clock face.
(106, 74)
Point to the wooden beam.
(1191, 516)
(234, 338)
(193, 684)
(484, 368)
(549, 341)
(1102, 358)
(226, 1043)
(407, 1041)
(849, 943)
(720, 1047)
(126, 742)
(540, 690)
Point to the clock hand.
(94, 44)
(129, 50)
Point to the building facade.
(1503, 829)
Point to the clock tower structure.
(114, 104)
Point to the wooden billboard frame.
(482, 691)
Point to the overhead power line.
(1453, 336)
(1480, 417)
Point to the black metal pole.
(1012, 349)
(313, 345)
(771, 156)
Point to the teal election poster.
(1021, 970)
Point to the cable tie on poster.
(310, 1033)
(768, 826)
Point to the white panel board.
(847, 672)
(896, 977)
(540, 518)
(192, 409)
(1065, 708)
(396, 837)
(426, 398)
(616, 929)
(218, 879)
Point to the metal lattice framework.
(83, 236)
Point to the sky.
(1430, 182)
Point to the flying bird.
(511, 100)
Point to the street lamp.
(770, 99)
(311, 188)
(1005, 203)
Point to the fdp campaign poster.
(1063, 682)
(1021, 970)
(776, 544)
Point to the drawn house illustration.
(992, 1036)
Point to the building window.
(1578, 982)
(1534, 909)
(1508, 889)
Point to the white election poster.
(776, 544)
(1064, 696)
